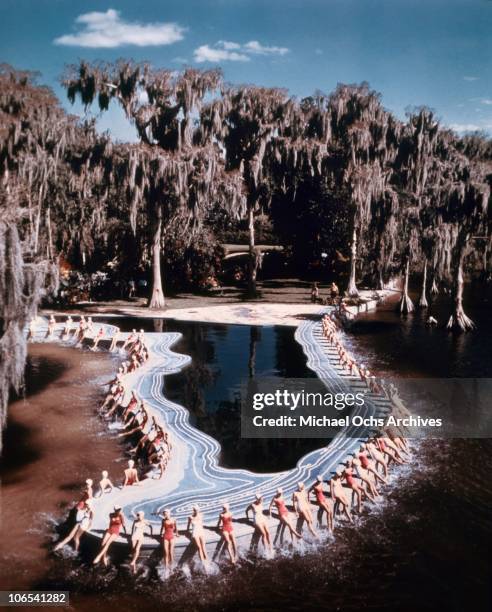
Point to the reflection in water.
(224, 358)
(210, 388)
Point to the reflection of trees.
(222, 420)
(290, 361)
(254, 338)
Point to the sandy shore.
(281, 304)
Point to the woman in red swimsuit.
(225, 524)
(169, 529)
(116, 523)
(352, 484)
(283, 517)
(325, 506)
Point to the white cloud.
(205, 53)
(470, 78)
(318, 51)
(486, 101)
(253, 46)
(462, 128)
(108, 30)
(229, 51)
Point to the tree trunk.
(352, 288)
(253, 258)
(423, 294)
(157, 298)
(458, 320)
(406, 305)
(434, 288)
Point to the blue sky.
(432, 52)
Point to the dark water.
(426, 547)
(225, 357)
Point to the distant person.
(97, 338)
(132, 290)
(314, 293)
(32, 329)
(67, 328)
(115, 339)
(51, 327)
(334, 292)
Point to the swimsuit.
(227, 524)
(132, 479)
(282, 510)
(349, 478)
(138, 530)
(196, 527)
(320, 496)
(364, 461)
(168, 530)
(86, 521)
(115, 524)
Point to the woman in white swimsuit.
(260, 522)
(140, 525)
(195, 527)
(83, 522)
(302, 507)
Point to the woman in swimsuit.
(114, 340)
(377, 455)
(131, 474)
(195, 527)
(32, 329)
(369, 465)
(302, 508)
(370, 491)
(88, 493)
(105, 484)
(67, 328)
(51, 327)
(324, 505)
(349, 476)
(283, 516)
(227, 530)
(390, 448)
(138, 533)
(130, 339)
(116, 523)
(259, 521)
(97, 338)
(83, 522)
(338, 494)
(169, 530)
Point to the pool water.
(225, 357)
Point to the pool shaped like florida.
(224, 357)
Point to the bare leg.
(69, 537)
